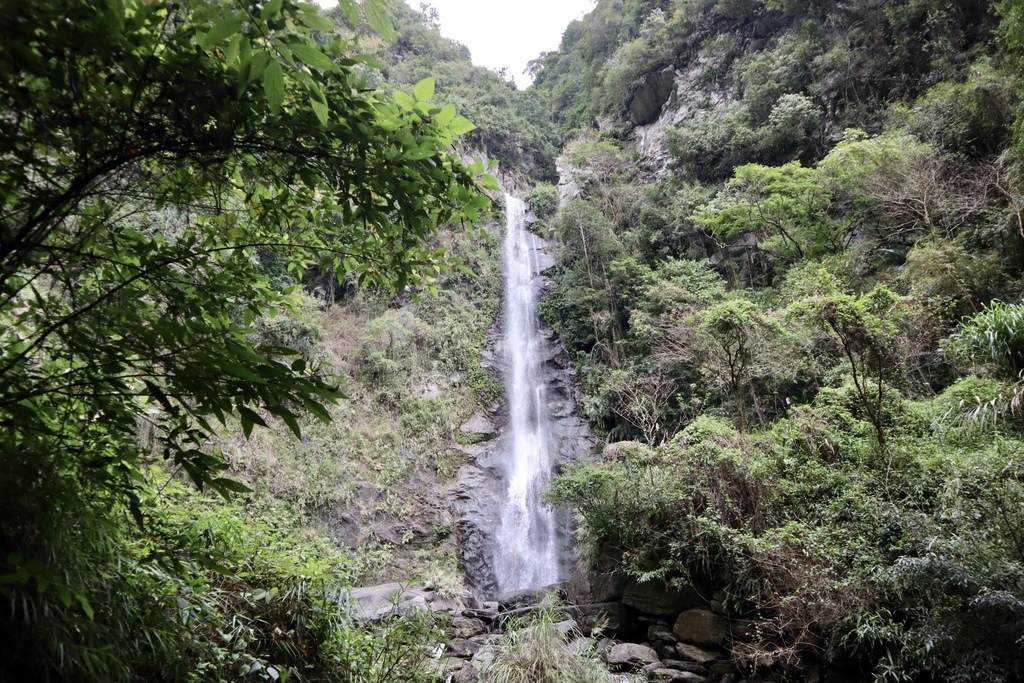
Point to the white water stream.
(528, 549)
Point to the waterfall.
(528, 545)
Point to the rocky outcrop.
(650, 97)
(691, 96)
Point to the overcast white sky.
(503, 33)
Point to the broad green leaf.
(320, 109)
(259, 65)
(351, 10)
(460, 125)
(377, 17)
(317, 22)
(313, 57)
(405, 100)
(424, 90)
(445, 116)
(270, 9)
(223, 29)
(273, 85)
(422, 152)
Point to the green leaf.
(317, 22)
(369, 61)
(249, 418)
(404, 100)
(424, 90)
(223, 29)
(313, 57)
(320, 109)
(445, 116)
(460, 125)
(272, 8)
(225, 484)
(86, 607)
(378, 19)
(351, 10)
(273, 85)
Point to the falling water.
(528, 547)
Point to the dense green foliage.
(812, 330)
(168, 173)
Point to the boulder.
(605, 617)
(655, 598)
(484, 657)
(629, 656)
(568, 629)
(487, 613)
(582, 647)
(701, 627)
(465, 627)
(374, 603)
(675, 676)
(462, 648)
(660, 632)
(696, 654)
(692, 667)
(529, 597)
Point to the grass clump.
(536, 649)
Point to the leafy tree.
(783, 207)
(153, 156)
(865, 330)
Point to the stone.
(466, 627)
(529, 597)
(660, 632)
(467, 674)
(485, 638)
(696, 654)
(629, 656)
(604, 617)
(568, 629)
(675, 676)
(655, 598)
(692, 667)
(484, 657)
(665, 649)
(726, 668)
(371, 604)
(479, 425)
(582, 646)
(462, 648)
(701, 627)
